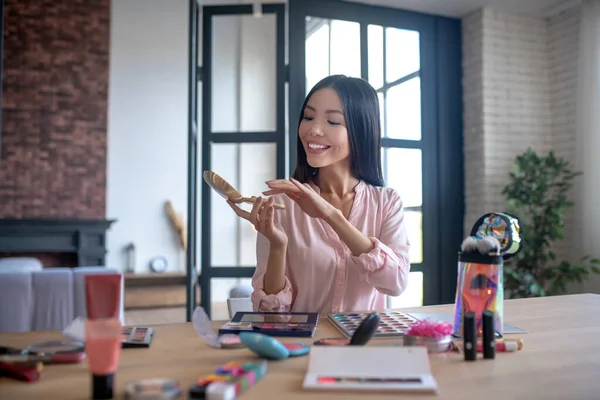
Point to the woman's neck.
(335, 180)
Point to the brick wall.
(563, 42)
(474, 139)
(54, 108)
(519, 91)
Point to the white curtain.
(587, 190)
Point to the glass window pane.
(413, 221)
(401, 52)
(345, 48)
(332, 47)
(317, 50)
(246, 167)
(375, 39)
(403, 106)
(244, 63)
(403, 172)
(220, 290)
(413, 295)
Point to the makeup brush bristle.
(469, 245)
(489, 245)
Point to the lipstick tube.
(470, 337)
(489, 335)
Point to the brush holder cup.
(480, 283)
(479, 288)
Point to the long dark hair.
(361, 111)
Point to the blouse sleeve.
(386, 267)
(261, 301)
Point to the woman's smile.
(314, 147)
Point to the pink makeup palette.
(391, 324)
(135, 336)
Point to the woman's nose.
(315, 130)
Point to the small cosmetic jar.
(159, 388)
(434, 345)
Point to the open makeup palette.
(391, 324)
(273, 324)
(135, 336)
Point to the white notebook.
(370, 368)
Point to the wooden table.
(560, 360)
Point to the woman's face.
(323, 130)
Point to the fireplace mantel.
(84, 237)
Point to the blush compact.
(363, 333)
(229, 341)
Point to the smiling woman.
(341, 244)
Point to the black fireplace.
(84, 239)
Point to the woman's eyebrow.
(332, 111)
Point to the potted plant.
(538, 195)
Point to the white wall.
(507, 102)
(147, 129)
(147, 150)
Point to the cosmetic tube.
(103, 348)
(489, 335)
(103, 296)
(470, 337)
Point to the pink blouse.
(321, 274)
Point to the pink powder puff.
(428, 328)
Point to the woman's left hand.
(304, 195)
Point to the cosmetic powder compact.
(156, 388)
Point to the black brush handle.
(365, 330)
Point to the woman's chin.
(317, 163)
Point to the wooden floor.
(170, 315)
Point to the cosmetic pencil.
(470, 337)
(489, 335)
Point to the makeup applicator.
(488, 245)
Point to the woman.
(340, 245)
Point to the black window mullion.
(401, 143)
(364, 51)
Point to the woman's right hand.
(262, 217)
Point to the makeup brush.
(488, 245)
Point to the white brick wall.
(519, 91)
(472, 31)
(563, 46)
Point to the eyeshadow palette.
(272, 324)
(135, 336)
(391, 324)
